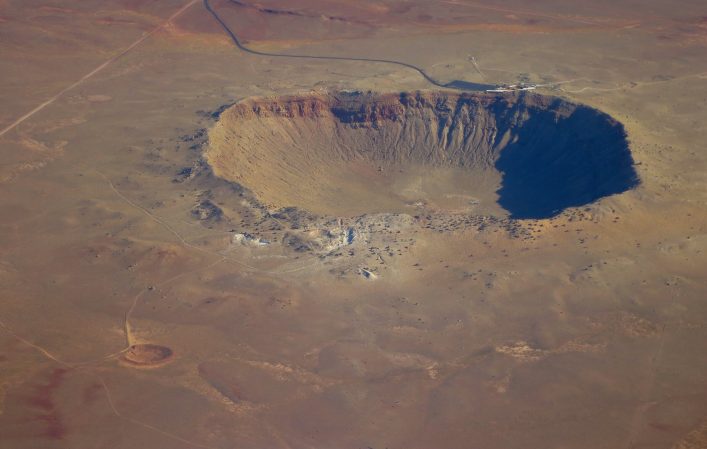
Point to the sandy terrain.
(165, 285)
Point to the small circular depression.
(353, 153)
(146, 355)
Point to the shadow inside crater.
(555, 162)
(470, 86)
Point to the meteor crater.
(527, 156)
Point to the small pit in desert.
(147, 355)
(351, 153)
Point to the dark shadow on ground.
(466, 85)
(556, 161)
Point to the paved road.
(456, 84)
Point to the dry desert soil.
(308, 224)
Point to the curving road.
(456, 84)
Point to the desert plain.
(272, 224)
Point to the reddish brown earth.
(43, 399)
(399, 305)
